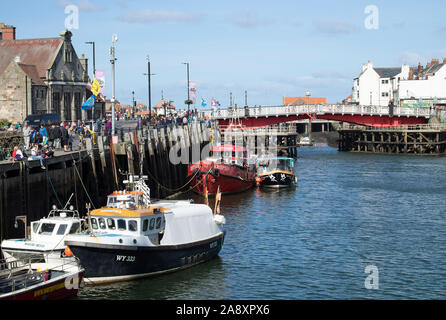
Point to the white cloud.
(411, 58)
(150, 16)
(247, 19)
(333, 27)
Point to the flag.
(203, 103)
(95, 87)
(89, 103)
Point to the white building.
(377, 86)
(425, 86)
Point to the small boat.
(275, 172)
(46, 235)
(132, 237)
(25, 279)
(227, 169)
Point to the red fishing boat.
(227, 169)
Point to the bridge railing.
(321, 109)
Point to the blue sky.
(269, 48)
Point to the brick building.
(41, 76)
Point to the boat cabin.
(274, 163)
(228, 153)
(59, 223)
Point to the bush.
(3, 123)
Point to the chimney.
(7, 32)
(419, 71)
(411, 74)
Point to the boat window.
(145, 225)
(74, 227)
(94, 223)
(111, 202)
(35, 226)
(133, 225)
(152, 224)
(111, 224)
(102, 223)
(47, 228)
(121, 224)
(158, 222)
(61, 229)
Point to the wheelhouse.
(265, 165)
(58, 223)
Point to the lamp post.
(308, 94)
(133, 103)
(112, 61)
(94, 57)
(94, 75)
(188, 93)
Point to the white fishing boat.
(133, 237)
(46, 238)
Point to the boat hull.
(277, 179)
(57, 289)
(228, 178)
(105, 263)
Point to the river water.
(358, 226)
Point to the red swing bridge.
(372, 116)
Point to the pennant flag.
(89, 103)
(95, 87)
(203, 103)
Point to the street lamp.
(188, 102)
(308, 94)
(94, 75)
(94, 57)
(133, 103)
(112, 61)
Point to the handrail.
(317, 109)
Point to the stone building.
(41, 76)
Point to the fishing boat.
(226, 169)
(30, 279)
(132, 237)
(275, 172)
(45, 239)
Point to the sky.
(270, 49)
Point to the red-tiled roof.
(295, 101)
(37, 52)
(31, 71)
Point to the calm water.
(315, 241)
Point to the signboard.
(100, 76)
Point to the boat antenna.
(68, 202)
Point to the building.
(406, 86)
(425, 86)
(377, 86)
(41, 76)
(298, 101)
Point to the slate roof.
(387, 72)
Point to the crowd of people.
(41, 143)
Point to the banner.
(193, 91)
(100, 75)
